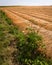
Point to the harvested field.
(37, 18)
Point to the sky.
(25, 2)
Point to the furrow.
(47, 25)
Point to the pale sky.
(25, 2)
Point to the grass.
(7, 36)
(25, 46)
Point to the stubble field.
(35, 17)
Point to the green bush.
(27, 50)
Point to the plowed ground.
(37, 18)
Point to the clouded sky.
(25, 2)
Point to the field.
(38, 18)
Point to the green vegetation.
(18, 48)
(27, 50)
(7, 37)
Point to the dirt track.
(25, 20)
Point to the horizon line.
(25, 5)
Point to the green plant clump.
(27, 50)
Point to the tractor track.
(47, 25)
